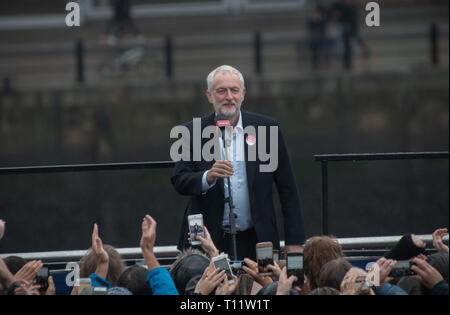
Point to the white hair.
(224, 68)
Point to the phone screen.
(295, 262)
(42, 279)
(223, 265)
(402, 268)
(265, 252)
(196, 228)
(276, 255)
(265, 257)
(295, 267)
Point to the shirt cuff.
(205, 185)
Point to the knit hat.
(404, 249)
(189, 264)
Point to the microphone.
(225, 128)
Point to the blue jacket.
(389, 289)
(97, 281)
(161, 282)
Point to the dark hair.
(333, 272)
(134, 278)
(88, 264)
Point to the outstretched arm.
(148, 242)
(437, 240)
(158, 278)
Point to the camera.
(358, 281)
(42, 279)
(402, 269)
(221, 262)
(264, 256)
(195, 222)
(294, 263)
(236, 267)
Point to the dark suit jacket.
(187, 180)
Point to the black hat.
(404, 249)
(189, 264)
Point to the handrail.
(85, 167)
(325, 158)
(194, 41)
(171, 251)
(381, 156)
(351, 243)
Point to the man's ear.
(209, 96)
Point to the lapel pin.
(251, 140)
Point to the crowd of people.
(326, 271)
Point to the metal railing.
(169, 49)
(85, 167)
(101, 10)
(364, 245)
(325, 158)
(353, 247)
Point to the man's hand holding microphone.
(220, 169)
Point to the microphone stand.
(229, 200)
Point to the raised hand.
(426, 273)
(226, 288)
(97, 246)
(210, 279)
(101, 255)
(51, 290)
(147, 242)
(252, 271)
(29, 271)
(207, 243)
(285, 283)
(437, 240)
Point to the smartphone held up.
(196, 228)
(294, 264)
(221, 262)
(264, 257)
